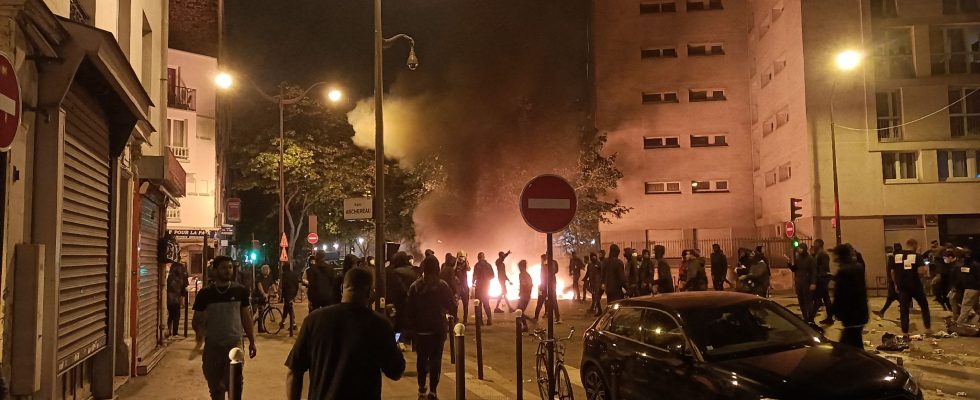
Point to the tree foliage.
(595, 177)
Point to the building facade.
(85, 185)
(905, 121)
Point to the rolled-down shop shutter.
(84, 264)
(149, 281)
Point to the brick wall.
(194, 26)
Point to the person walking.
(502, 279)
(482, 277)
(320, 286)
(940, 276)
(575, 267)
(850, 296)
(632, 272)
(968, 283)
(222, 316)
(906, 272)
(892, 296)
(345, 347)
(719, 267)
(525, 285)
(822, 294)
(399, 277)
(614, 275)
(289, 287)
(696, 280)
(176, 291)
(644, 281)
(543, 295)
(593, 281)
(460, 271)
(804, 281)
(429, 301)
(665, 281)
(261, 297)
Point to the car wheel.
(595, 385)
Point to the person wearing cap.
(460, 271)
(967, 280)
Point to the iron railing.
(183, 98)
(77, 13)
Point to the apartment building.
(84, 190)
(906, 120)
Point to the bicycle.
(564, 385)
(268, 317)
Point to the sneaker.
(557, 322)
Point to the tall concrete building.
(907, 119)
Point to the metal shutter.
(84, 263)
(148, 338)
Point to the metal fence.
(772, 247)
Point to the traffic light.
(253, 256)
(796, 242)
(795, 209)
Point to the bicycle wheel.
(272, 319)
(541, 370)
(564, 385)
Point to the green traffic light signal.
(796, 243)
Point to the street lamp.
(380, 43)
(225, 81)
(846, 60)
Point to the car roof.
(682, 301)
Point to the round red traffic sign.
(10, 105)
(548, 203)
(312, 238)
(790, 229)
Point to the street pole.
(833, 156)
(282, 180)
(551, 304)
(379, 157)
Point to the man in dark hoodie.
(399, 278)
(850, 296)
(482, 276)
(429, 300)
(665, 281)
(614, 275)
(719, 267)
(824, 276)
(460, 271)
(575, 267)
(320, 278)
(543, 295)
(503, 280)
(593, 280)
(804, 281)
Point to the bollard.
(236, 358)
(452, 341)
(518, 345)
(479, 340)
(460, 368)
(614, 368)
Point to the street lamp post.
(380, 43)
(846, 61)
(225, 81)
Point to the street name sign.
(10, 103)
(358, 208)
(548, 203)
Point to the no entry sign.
(548, 203)
(10, 105)
(790, 229)
(312, 238)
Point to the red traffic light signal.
(795, 209)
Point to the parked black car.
(726, 345)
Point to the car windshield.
(744, 329)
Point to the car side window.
(660, 330)
(627, 323)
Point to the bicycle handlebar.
(540, 335)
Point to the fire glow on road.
(512, 288)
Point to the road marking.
(549, 204)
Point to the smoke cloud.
(500, 96)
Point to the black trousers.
(522, 305)
(503, 296)
(214, 362)
(483, 294)
(464, 295)
(892, 297)
(718, 282)
(428, 347)
(577, 289)
(541, 302)
(905, 297)
(805, 297)
(852, 336)
(822, 296)
(173, 318)
(941, 290)
(287, 310)
(596, 299)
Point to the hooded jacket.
(614, 274)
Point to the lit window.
(705, 49)
(660, 142)
(782, 118)
(704, 5)
(964, 116)
(899, 166)
(778, 66)
(662, 52)
(663, 187)
(660, 97)
(889, 108)
(696, 95)
(777, 10)
(662, 6)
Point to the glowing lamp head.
(223, 80)
(335, 95)
(848, 60)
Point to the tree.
(596, 176)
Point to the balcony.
(182, 98)
(181, 153)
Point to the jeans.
(215, 362)
(852, 336)
(905, 297)
(971, 302)
(955, 300)
(822, 296)
(483, 294)
(429, 346)
(173, 318)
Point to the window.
(782, 118)
(660, 330)
(663, 187)
(964, 116)
(785, 171)
(889, 109)
(661, 52)
(769, 126)
(764, 27)
(777, 10)
(660, 97)
(705, 49)
(884, 8)
(899, 166)
(626, 323)
(770, 177)
(778, 66)
(703, 5)
(173, 215)
(960, 6)
(893, 222)
(177, 130)
(766, 77)
(893, 53)
(957, 164)
(708, 140)
(709, 186)
(191, 183)
(695, 95)
(663, 6)
(661, 142)
(955, 49)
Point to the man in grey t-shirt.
(221, 317)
